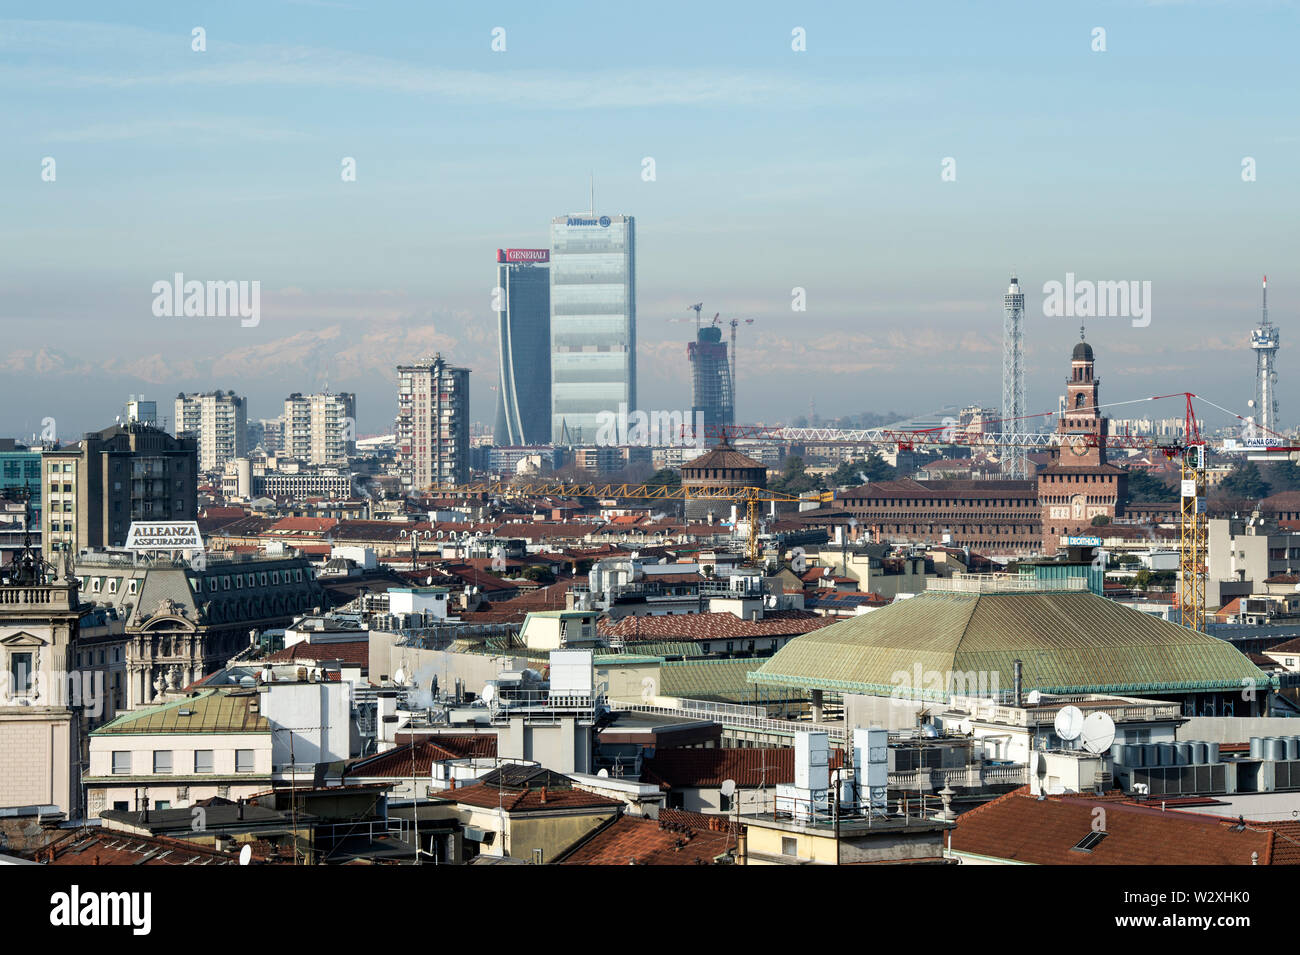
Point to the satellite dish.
(489, 692)
(1098, 733)
(246, 854)
(1069, 723)
(1034, 697)
(399, 677)
(728, 788)
(603, 774)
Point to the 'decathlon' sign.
(1082, 541)
(164, 535)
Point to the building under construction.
(712, 392)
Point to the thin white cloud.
(134, 59)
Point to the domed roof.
(1083, 352)
(1077, 642)
(723, 457)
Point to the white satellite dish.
(246, 854)
(603, 774)
(399, 677)
(728, 788)
(1034, 697)
(489, 692)
(1098, 733)
(1069, 722)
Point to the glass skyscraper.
(523, 348)
(593, 323)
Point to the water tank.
(1211, 753)
(1183, 753)
(1119, 754)
(1293, 747)
(1275, 747)
(1200, 753)
(1150, 754)
(1256, 747)
(1166, 753)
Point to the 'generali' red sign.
(523, 255)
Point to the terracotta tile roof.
(298, 525)
(749, 767)
(354, 652)
(715, 626)
(104, 847)
(464, 745)
(401, 762)
(1290, 646)
(631, 840)
(530, 800)
(1019, 827)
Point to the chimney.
(543, 795)
(1017, 682)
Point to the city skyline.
(773, 170)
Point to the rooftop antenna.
(1098, 733)
(1069, 723)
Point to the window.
(243, 760)
(20, 673)
(789, 846)
(121, 806)
(724, 802)
(202, 761)
(1088, 842)
(162, 760)
(162, 804)
(121, 762)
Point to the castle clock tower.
(1079, 485)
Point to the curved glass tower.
(523, 348)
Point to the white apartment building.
(220, 421)
(432, 423)
(320, 428)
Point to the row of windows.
(162, 761)
(253, 580)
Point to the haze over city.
(774, 169)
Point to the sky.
(896, 169)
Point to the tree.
(1245, 481)
(1142, 487)
(1100, 520)
(539, 573)
(667, 477)
(794, 478)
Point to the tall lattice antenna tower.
(1265, 341)
(1014, 463)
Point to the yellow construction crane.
(752, 497)
(1192, 526)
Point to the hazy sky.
(774, 169)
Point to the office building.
(137, 409)
(321, 428)
(219, 420)
(95, 488)
(711, 386)
(523, 414)
(432, 423)
(593, 322)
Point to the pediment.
(23, 639)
